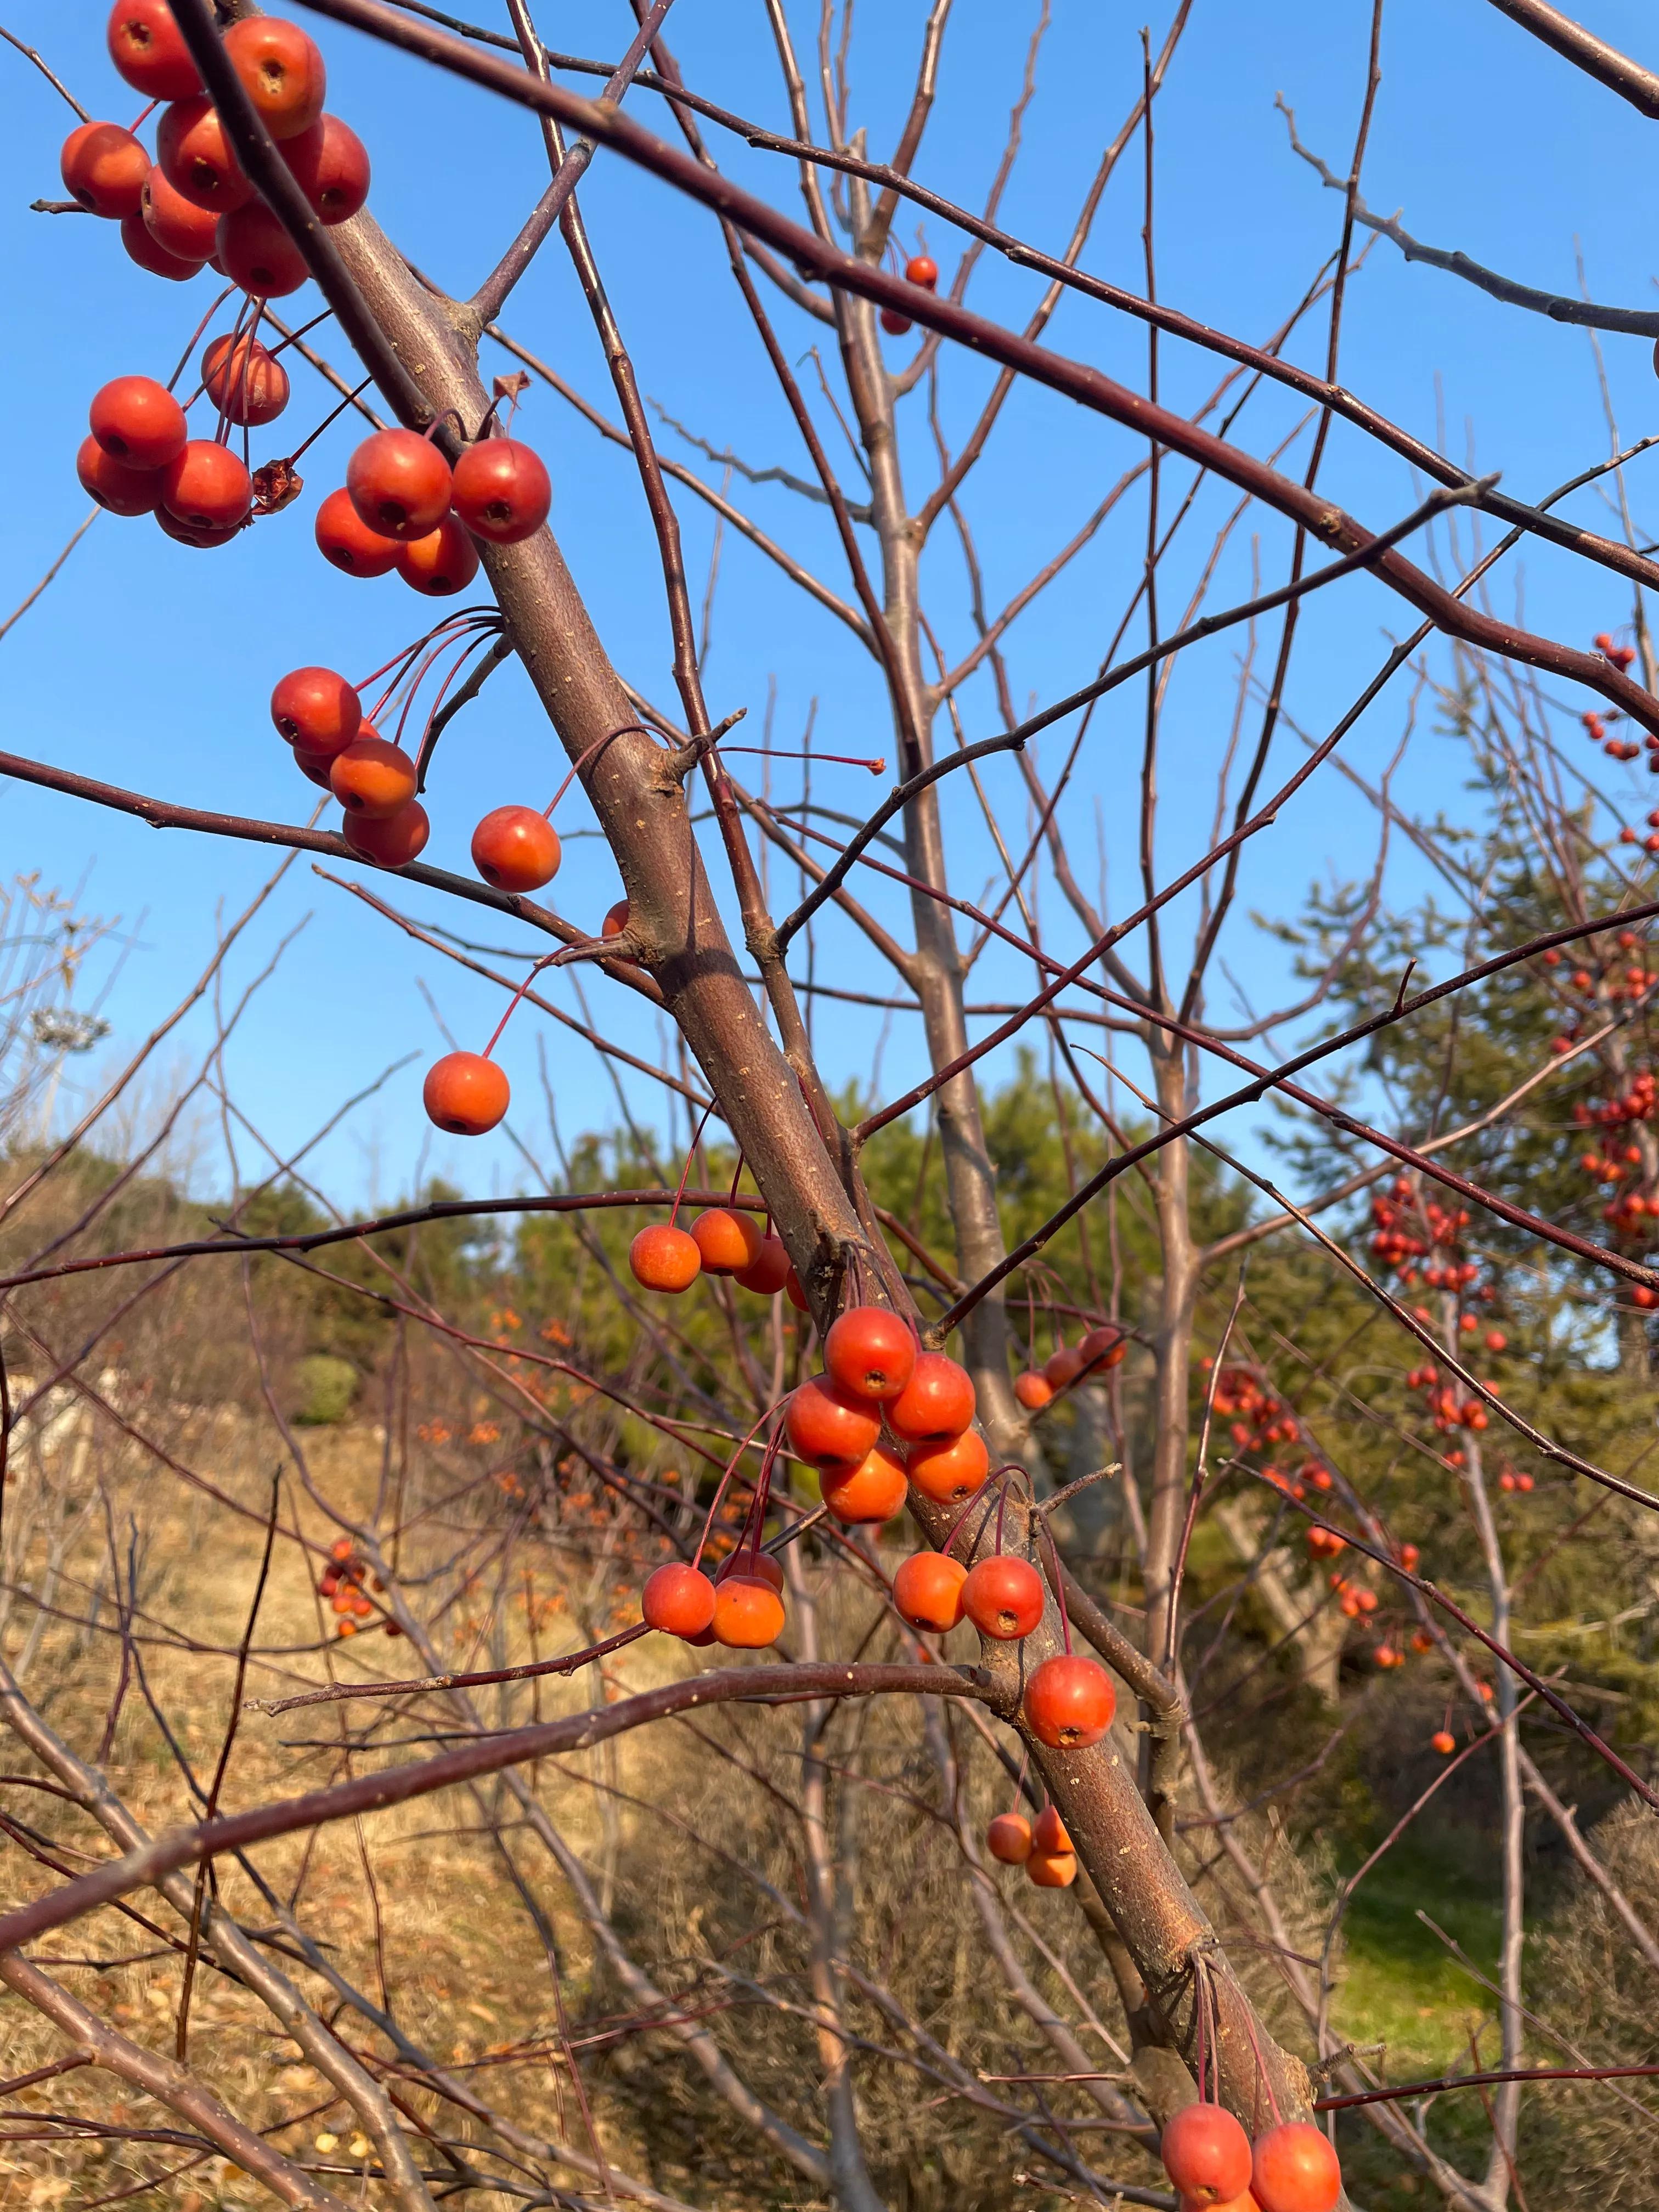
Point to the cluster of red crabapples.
(1262, 1419)
(341, 1583)
(1043, 1847)
(192, 207)
(1290, 2168)
(720, 1241)
(923, 270)
(1611, 981)
(1096, 1351)
(1595, 722)
(1410, 1230)
(877, 1377)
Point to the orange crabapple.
(1069, 1702)
(664, 1258)
(465, 1094)
(927, 1592)
(1008, 1838)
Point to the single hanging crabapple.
(516, 849)
(399, 483)
(1102, 1348)
(179, 228)
(138, 420)
(1062, 1367)
(442, 563)
(936, 1404)
(1207, 2154)
(370, 777)
(949, 1473)
(748, 1613)
(149, 49)
(1008, 1838)
(1051, 1869)
(391, 843)
(927, 1592)
(664, 1258)
(195, 156)
(104, 166)
(1033, 1389)
(330, 165)
(1050, 1833)
(871, 1352)
(827, 1426)
(244, 381)
(207, 487)
(874, 1491)
(769, 1270)
(144, 249)
(118, 489)
(255, 251)
(317, 710)
(1069, 1703)
(346, 540)
(729, 1242)
(922, 270)
(465, 1094)
(281, 72)
(1004, 1598)
(1294, 2169)
(679, 1599)
(502, 491)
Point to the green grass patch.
(1400, 1984)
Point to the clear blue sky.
(150, 666)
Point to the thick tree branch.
(1586, 51)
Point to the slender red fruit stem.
(1262, 2073)
(691, 1152)
(457, 626)
(531, 973)
(841, 760)
(332, 416)
(465, 640)
(1020, 1779)
(754, 1527)
(221, 426)
(184, 358)
(582, 760)
(408, 652)
(772, 1412)
(980, 1496)
(1059, 1588)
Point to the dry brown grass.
(672, 1824)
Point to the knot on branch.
(681, 762)
(625, 946)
